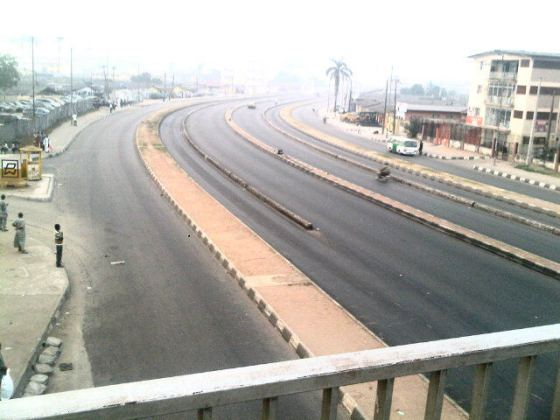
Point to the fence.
(201, 392)
(24, 128)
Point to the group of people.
(9, 149)
(41, 139)
(19, 225)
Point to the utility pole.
(172, 85)
(71, 84)
(164, 85)
(557, 154)
(385, 107)
(33, 81)
(395, 108)
(549, 129)
(530, 147)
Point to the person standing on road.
(3, 213)
(19, 238)
(420, 148)
(58, 241)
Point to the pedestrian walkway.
(63, 135)
(32, 290)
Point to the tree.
(338, 72)
(9, 75)
(414, 127)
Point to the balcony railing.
(500, 75)
(204, 391)
(500, 101)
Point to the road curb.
(507, 175)
(511, 253)
(454, 181)
(19, 387)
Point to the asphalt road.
(170, 309)
(530, 239)
(273, 115)
(404, 281)
(306, 115)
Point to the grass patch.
(538, 170)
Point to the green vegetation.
(9, 75)
(338, 72)
(538, 170)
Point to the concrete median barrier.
(308, 319)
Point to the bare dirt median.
(309, 319)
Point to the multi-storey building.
(506, 90)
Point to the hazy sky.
(423, 40)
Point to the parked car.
(403, 146)
(39, 110)
(251, 105)
(6, 118)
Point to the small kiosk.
(16, 169)
(31, 158)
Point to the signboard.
(10, 168)
(474, 120)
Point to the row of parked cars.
(24, 107)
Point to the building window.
(533, 90)
(525, 63)
(550, 91)
(547, 64)
(521, 90)
(545, 115)
(529, 115)
(517, 114)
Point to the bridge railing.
(204, 391)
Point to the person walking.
(58, 241)
(19, 238)
(3, 213)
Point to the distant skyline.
(423, 41)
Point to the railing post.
(330, 403)
(480, 391)
(434, 402)
(555, 412)
(269, 408)
(384, 399)
(522, 387)
(204, 413)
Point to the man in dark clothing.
(58, 240)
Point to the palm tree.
(338, 72)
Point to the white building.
(506, 88)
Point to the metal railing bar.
(218, 388)
(384, 399)
(434, 401)
(480, 391)
(330, 403)
(269, 408)
(522, 388)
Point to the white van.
(403, 146)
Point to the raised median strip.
(307, 318)
(510, 252)
(503, 174)
(434, 191)
(521, 200)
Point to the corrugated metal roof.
(523, 53)
(434, 108)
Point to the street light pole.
(530, 147)
(33, 81)
(395, 108)
(71, 84)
